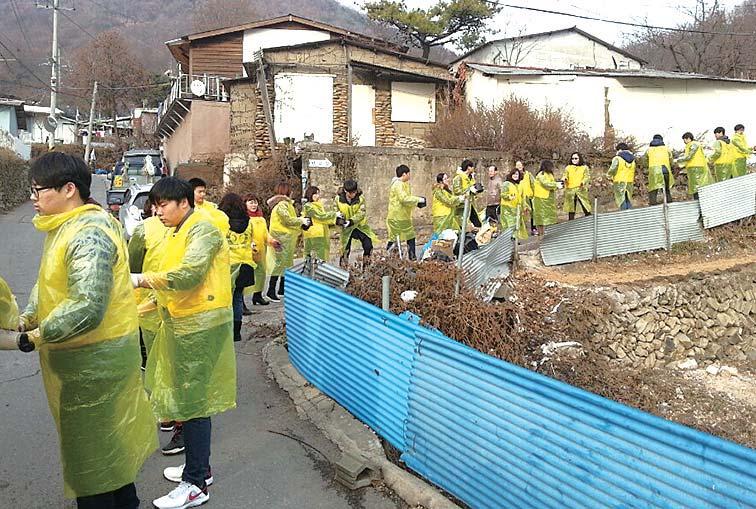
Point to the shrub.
(261, 179)
(14, 180)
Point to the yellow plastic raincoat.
(461, 184)
(191, 369)
(401, 204)
(742, 151)
(8, 307)
(576, 182)
(259, 252)
(84, 312)
(723, 159)
(317, 239)
(513, 207)
(544, 199)
(656, 158)
(444, 209)
(695, 166)
(144, 256)
(215, 216)
(354, 211)
(286, 228)
(622, 173)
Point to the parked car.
(138, 166)
(132, 206)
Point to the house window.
(304, 106)
(413, 102)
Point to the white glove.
(306, 221)
(136, 280)
(339, 214)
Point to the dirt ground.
(725, 247)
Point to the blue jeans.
(197, 454)
(238, 303)
(626, 204)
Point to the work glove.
(136, 280)
(340, 221)
(306, 223)
(347, 223)
(422, 203)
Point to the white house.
(568, 48)
(12, 121)
(65, 133)
(627, 97)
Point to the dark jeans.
(474, 219)
(627, 204)
(571, 215)
(492, 211)
(122, 498)
(238, 303)
(367, 243)
(197, 453)
(410, 248)
(652, 195)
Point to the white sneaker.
(183, 496)
(176, 473)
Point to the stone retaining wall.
(708, 317)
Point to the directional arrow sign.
(319, 163)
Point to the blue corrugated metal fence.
(497, 435)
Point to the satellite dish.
(198, 88)
(51, 124)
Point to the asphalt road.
(253, 467)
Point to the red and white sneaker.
(176, 473)
(183, 496)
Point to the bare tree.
(708, 46)
(513, 50)
(107, 59)
(212, 14)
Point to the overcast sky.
(513, 21)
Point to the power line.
(20, 25)
(112, 12)
(69, 18)
(625, 23)
(22, 64)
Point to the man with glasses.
(82, 319)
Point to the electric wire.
(618, 22)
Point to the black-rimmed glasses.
(35, 190)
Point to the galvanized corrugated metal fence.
(621, 232)
(485, 268)
(728, 201)
(497, 435)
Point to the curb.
(349, 434)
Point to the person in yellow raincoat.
(8, 307)
(513, 208)
(444, 205)
(742, 151)
(285, 228)
(462, 183)
(192, 366)
(526, 186)
(577, 179)
(622, 173)
(350, 202)
(401, 204)
(210, 209)
(239, 239)
(694, 162)
(544, 196)
(144, 256)
(723, 157)
(82, 318)
(317, 238)
(658, 161)
(261, 240)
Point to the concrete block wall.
(374, 167)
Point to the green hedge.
(14, 180)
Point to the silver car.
(130, 213)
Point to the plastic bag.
(8, 307)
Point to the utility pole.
(54, 69)
(52, 120)
(88, 151)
